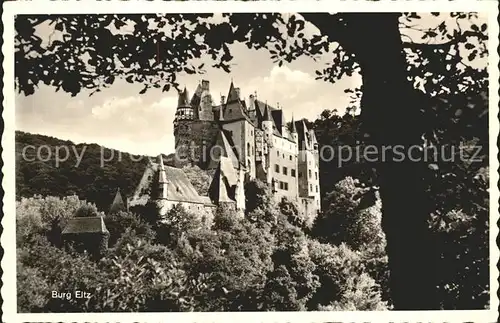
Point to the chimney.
(205, 85)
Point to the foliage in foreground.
(236, 265)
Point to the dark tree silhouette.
(90, 52)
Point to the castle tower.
(184, 116)
(308, 166)
(267, 123)
(162, 179)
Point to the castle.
(239, 141)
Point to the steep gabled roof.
(225, 148)
(279, 119)
(303, 134)
(179, 187)
(94, 224)
(218, 190)
(261, 108)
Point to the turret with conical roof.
(118, 204)
(184, 110)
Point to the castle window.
(293, 172)
(248, 149)
(316, 174)
(290, 157)
(277, 168)
(316, 188)
(278, 153)
(285, 171)
(283, 156)
(251, 132)
(310, 174)
(311, 187)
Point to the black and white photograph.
(250, 157)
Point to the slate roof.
(94, 224)
(179, 188)
(303, 134)
(225, 178)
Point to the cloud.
(127, 123)
(298, 93)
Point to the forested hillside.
(81, 173)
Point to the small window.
(278, 153)
(317, 190)
(311, 187)
(277, 168)
(292, 172)
(285, 171)
(285, 186)
(310, 174)
(316, 175)
(290, 157)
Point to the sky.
(121, 118)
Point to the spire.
(267, 115)
(294, 128)
(234, 93)
(118, 204)
(183, 100)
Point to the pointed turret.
(183, 99)
(267, 122)
(234, 93)
(267, 114)
(118, 204)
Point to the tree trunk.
(390, 115)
